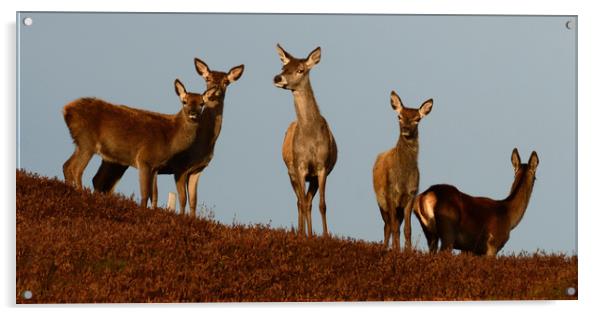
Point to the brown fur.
(395, 174)
(309, 149)
(475, 224)
(128, 136)
(187, 165)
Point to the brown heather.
(76, 246)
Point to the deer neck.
(184, 134)
(210, 126)
(407, 148)
(518, 200)
(306, 106)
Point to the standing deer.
(309, 149)
(128, 136)
(475, 224)
(187, 165)
(395, 174)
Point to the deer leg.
(301, 219)
(107, 176)
(431, 237)
(322, 184)
(432, 240)
(301, 200)
(395, 222)
(193, 182)
(307, 213)
(387, 228)
(491, 250)
(80, 160)
(433, 243)
(311, 191)
(67, 168)
(388, 233)
(407, 228)
(447, 233)
(146, 180)
(181, 180)
(309, 196)
(155, 194)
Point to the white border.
(589, 142)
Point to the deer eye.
(300, 71)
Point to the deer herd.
(182, 144)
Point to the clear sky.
(498, 82)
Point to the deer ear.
(515, 159)
(284, 56)
(425, 108)
(180, 89)
(313, 58)
(533, 161)
(235, 73)
(201, 68)
(396, 102)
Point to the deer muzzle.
(279, 81)
(194, 115)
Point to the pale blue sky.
(498, 82)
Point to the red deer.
(475, 224)
(395, 174)
(187, 165)
(309, 149)
(133, 137)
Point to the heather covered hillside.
(77, 246)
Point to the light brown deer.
(128, 136)
(395, 174)
(475, 224)
(187, 165)
(309, 149)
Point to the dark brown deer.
(395, 174)
(309, 149)
(187, 165)
(133, 137)
(475, 224)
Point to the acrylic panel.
(496, 83)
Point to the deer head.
(520, 168)
(193, 103)
(295, 72)
(409, 118)
(217, 78)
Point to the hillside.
(77, 246)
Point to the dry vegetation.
(77, 246)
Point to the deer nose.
(277, 79)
